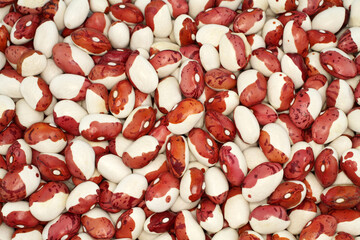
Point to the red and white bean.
(164, 119)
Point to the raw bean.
(67, 224)
(164, 119)
(262, 181)
(322, 225)
(49, 201)
(112, 168)
(260, 219)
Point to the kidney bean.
(48, 202)
(141, 152)
(209, 216)
(18, 215)
(334, 122)
(80, 158)
(261, 181)
(319, 226)
(301, 162)
(97, 224)
(288, 194)
(175, 117)
(274, 142)
(165, 98)
(321, 39)
(346, 219)
(260, 219)
(331, 25)
(203, 146)
(164, 189)
(235, 200)
(343, 67)
(186, 226)
(52, 167)
(99, 127)
(67, 224)
(348, 163)
(301, 215)
(236, 44)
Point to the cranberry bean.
(341, 197)
(7, 112)
(349, 162)
(340, 95)
(177, 155)
(33, 233)
(76, 13)
(223, 102)
(272, 32)
(141, 37)
(69, 86)
(19, 183)
(71, 59)
(99, 127)
(126, 12)
(264, 113)
(246, 124)
(275, 144)
(313, 187)
(158, 18)
(138, 103)
(192, 185)
(220, 79)
(295, 39)
(294, 66)
(249, 21)
(24, 29)
(91, 41)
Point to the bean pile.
(180, 119)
